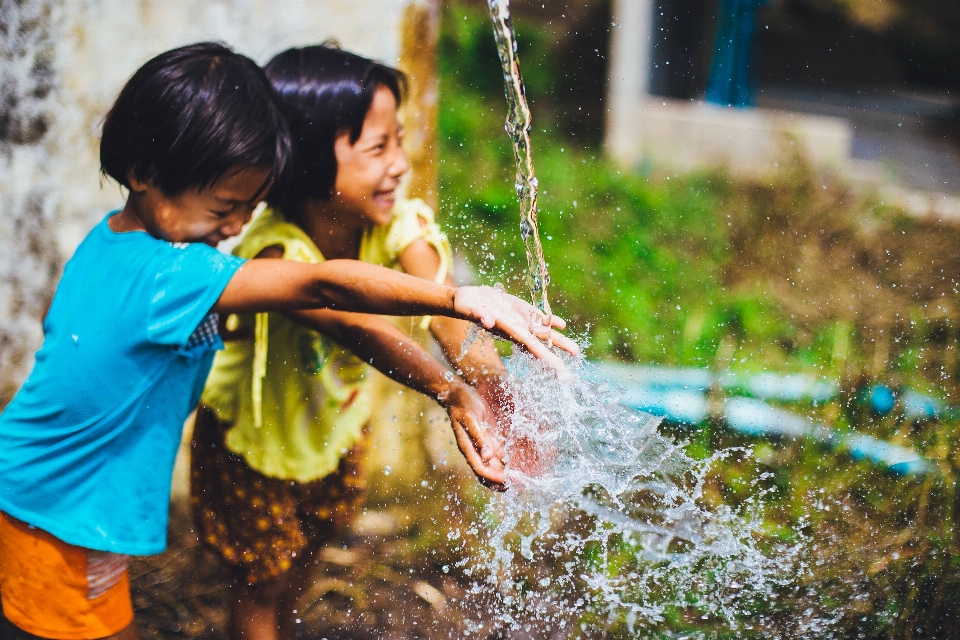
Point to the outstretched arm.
(389, 350)
(351, 285)
(479, 362)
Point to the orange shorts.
(56, 590)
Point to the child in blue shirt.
(87, 445)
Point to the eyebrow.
(227, 200)
(236, 201)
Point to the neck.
(331, 232)
(130, 218)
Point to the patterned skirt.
(261, 524)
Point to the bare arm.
(481, 363)
(390, 351)
(379, 343)
(350, 285)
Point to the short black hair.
(324, 92)
(190, 115)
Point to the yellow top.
(297, 401)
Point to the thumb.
(486, 318)
(491, 474)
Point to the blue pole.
(731, 78)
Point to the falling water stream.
(518, 128)
(606, 521)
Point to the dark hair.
(191, 114)
(323, 91)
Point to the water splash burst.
(607, 519)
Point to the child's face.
(369, 171)
(211, 215)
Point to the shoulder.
(140, 250)
(412, 220)
(270, 228)
(412, 212)
(191, 265)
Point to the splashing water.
(518, 128)
(606, 521)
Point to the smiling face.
(369, 171)
(210, 215)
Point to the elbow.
(321, 294)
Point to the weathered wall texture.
(62, 62)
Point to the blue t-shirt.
(87, 445)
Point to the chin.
(381, 216)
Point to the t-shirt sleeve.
(413, 220)
(189, 282)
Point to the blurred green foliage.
(790, 272)
(636, 261)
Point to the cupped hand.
(472, 421)
(527, 455)
(520, 322)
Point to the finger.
(500, 487)
(565, 343)
(541, 331)
(492, 471)
(479, 436)
(485, 318)
(501, 451)
(555, 338)
(539, 351)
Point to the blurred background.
(739, 199)
(755, 193)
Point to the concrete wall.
(62, 63)
(629, 75)
(685, 134)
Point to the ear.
(136, 184)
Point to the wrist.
(450, 298)
(492, 386)
(447, 388)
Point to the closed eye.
(379, 146)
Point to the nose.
(234, 223)
(399, 165)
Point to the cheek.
(375, 175)
(198, 227)
(356, 185)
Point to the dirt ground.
(366, 587)
(377, 586)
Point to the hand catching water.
(513, 319)
(527, 455)
(472, 420)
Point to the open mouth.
(385, 198)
